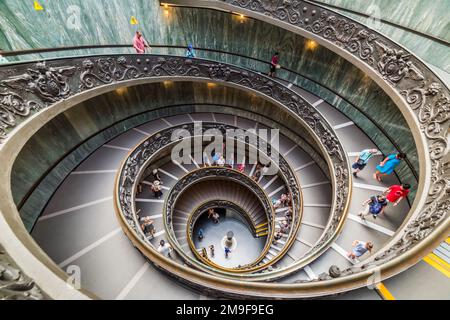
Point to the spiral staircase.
(90, 222)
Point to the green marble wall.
(108, 21)
(204, 28)
(424, 16)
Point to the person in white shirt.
(165, 249)
(221, 161)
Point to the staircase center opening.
(223, 236)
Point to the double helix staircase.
(55, 230)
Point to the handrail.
(427, 223)
(419, 93)
(289, 178)
(91, 78)
(297, 211)
(394, 24)
(72, 149)
(297, 74)
(198, 211)
(162, 136)
(292, 185)
(221, 173)
(304, 113)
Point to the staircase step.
(261, 225)
(445, 246)
(441, 253)
(273, 246)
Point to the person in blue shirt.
(200, 234)
(190, 52)
(227, 252)
(362, 160)
(374, 206)
(360, 248)
(388, 165)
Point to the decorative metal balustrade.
(14, 285)
(298, 78)
(417, 89)
(135, 166)
(218, 173)
(223, 204)
(28, 89)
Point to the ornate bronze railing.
(420, 94)
(14, 285)
(403, 76)
(286, 173)
(214, 204)
(209, 53)
(36, 92)
(217, 173)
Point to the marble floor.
(246, 248)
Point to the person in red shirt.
(394, 194)
(274, 64)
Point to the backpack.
(360, 162)
(375, 207)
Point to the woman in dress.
(388, 165)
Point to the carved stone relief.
(14, 285)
